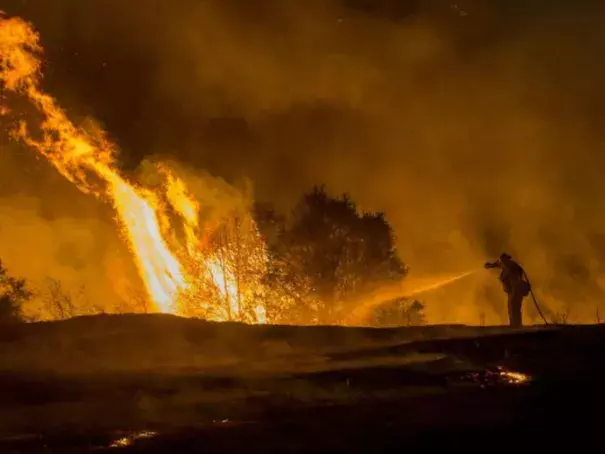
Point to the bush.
(326, 253)
(400, 312)
(13, 293)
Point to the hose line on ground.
(531, 292)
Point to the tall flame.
(184, 205)
(160, 270)
(87, 159)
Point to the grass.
(107, 373)
(152, 342)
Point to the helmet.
(505, 256)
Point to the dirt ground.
(155, 384)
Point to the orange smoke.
(87, 158)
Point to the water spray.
(435, 285)
(408, 288)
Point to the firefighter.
(515, 284)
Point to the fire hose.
(533, 297)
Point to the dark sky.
(476, 125)
(257, 88)
(109, 58)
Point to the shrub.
(13, 293)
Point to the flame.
(185, 205)
(227, 286)
(261, 314)
(129, 440)
(86, 157)
(160, 270)
(82, 156)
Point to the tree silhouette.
(13, 292)
(328, 252)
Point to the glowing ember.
(514, 378)
(129, 440)
(496, 377)
(221, 284)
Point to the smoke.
(476, 127)
(50, 232)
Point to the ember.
(129, 440)
(498, 377)
(514, 378)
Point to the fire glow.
(514, 378)
(87, 158)
(130, 440)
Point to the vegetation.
(302, 269)
(400, 312)
(13, 293)
(328, 252)
(60, 303)
(229, 283)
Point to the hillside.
(182, 385)
(148, 342)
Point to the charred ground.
(77, 385)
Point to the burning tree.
(239, 266)
(229, 284)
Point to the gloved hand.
(489, 265)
